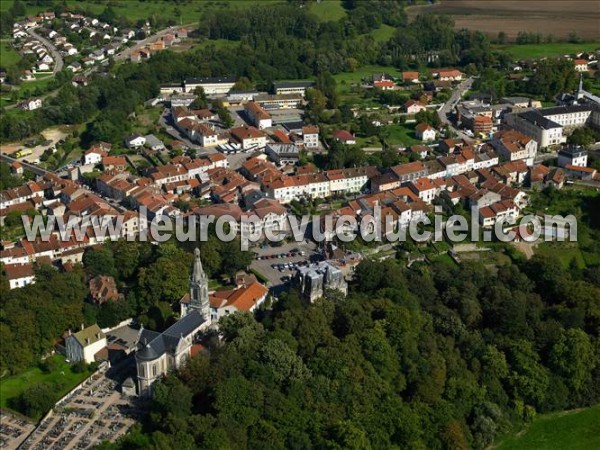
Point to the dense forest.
(436, 357)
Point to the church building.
(159, 353)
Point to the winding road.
(58, 59)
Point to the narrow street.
(457, 93)
(58, 59)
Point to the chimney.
(82, 327)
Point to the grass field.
(328, 10)
(533, 51)
(558, 18)
(8, 55)
(402, 134)
(573, 430)
(62, 377)
(383, 33)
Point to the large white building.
(258, 116)
(544, 131)
(211, 86)
(292, 87)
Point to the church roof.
(169, 339)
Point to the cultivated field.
(558, 17)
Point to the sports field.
(557, 18)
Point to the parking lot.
(13, 430)
(94, 413)
(279, 264)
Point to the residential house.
(243, 299)
(31, 104)
(410, 77)
(249, 137)
(512, 145)
(310, 136)
(19, 275)
(103, 289)
(344, 137)
(93, 155)
(572, 155)
(425, 132)
(413, 107)
(134, 141)
(153, 143)
(85, 344)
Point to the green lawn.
(328, 10)
(402, 134)
(383, 33)
(573, 430)
(548, 50)
(345, 81)
(62, 377)
(8, 55)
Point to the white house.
(245, 299)
(573, 155)
(310, 136)
(135, 141)
(83, 345)
(425, 132)
(93, 156)
(19, 275)
(31, 104)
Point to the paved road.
(127, 52)
(35, 169)
(447, 108)
(58, 59)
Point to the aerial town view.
(300, 224)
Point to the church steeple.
(199, 288)
(580, 90)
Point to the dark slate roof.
(572, 151)
(539, 120)
(211, 80)
(153, 345)
(566, 109)
(293, 84)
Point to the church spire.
(199, 288)
(198, 271)
(580, 90)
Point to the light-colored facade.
(544, 131)
(83, 345)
